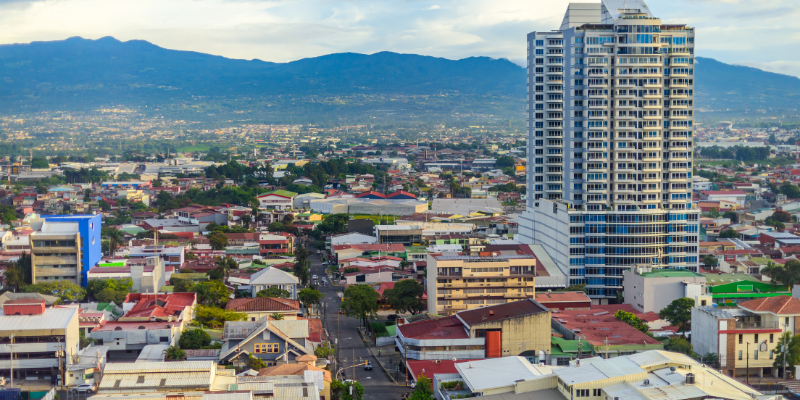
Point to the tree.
(679, 345)
(423, 390)
(275, 227)
(580, 287)
(324, 350)
(218, 240)
(19, 274)
(277, 316)
(274, 291)
(713, 212)
(710, 358)
(406, 296)
(224, 266)
(246, 220)
(781, 216)
(709, 261)
(300, 267)
(255, 363)
(504, 161)
(360, 301)
(181, 285)
(791, 191)
(678, 313)
(194, 339)
(215, 317)
(731, 215)
(634, 321)
(787, 275)
(114, 238)
(790, 345)
(350, 270)
(309, 296)
(358, 391)
(65, 290)
(728, 234)
(174, 353)
(211, 293)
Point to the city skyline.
(281, 31)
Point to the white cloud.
(757, 33)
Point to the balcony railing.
(757, 325)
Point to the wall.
(705, 332)
(527, 333)
(648, 294)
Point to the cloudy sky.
(761, 33)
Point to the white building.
(610, 127)
(274, 277)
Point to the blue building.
(65, 247)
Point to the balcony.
(455, 307)
(757, 325)
(455, 296)
(517, 295)
(454, 285)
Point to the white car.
(313, 277)
(84, 388)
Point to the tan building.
(457, 283)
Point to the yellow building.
(458, 283)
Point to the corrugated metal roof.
(53, 318)
(292, 328)
(296, 391)
(152, 353)
(146, 367)
(239, 395)
(148, 396)
(256, 387)
(164, 379)
(496, 372)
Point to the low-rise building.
(65, 247)
(274, 277)
(274, 342)
(651, 290)
(260, 307)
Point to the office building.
(65, 247)
(610, 127)
(457, 283)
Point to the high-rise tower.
(610, 112)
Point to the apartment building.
(457, 283)
(744, 338)
(65, 247)
(610, 127)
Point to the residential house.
(261, 307)
(274, 277)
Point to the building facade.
(65, 248)
(610, 127)
(457, 283)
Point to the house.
(274, 277)
(87, 366)
(304, 367)
(260, 307)
(745, 337)
(274, 342)
(277, 200)
(521, 328)
(271, 244)
(564, 300)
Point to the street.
(376, 384)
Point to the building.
(277, 200)
(87, 366)
(274, 277)
(736, 196)
(271, 244)
(648, 290)
(260, 307)
(744, 338)
(520, 328)
(152, 377)
(305, 367)
(38, 333)
(65, 247)
(275, 342)
(610, 145)
(458, 283)
(564, 300)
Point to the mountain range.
(80, 72)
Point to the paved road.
(377, 385)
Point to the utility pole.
(578, 363)
(606, 347)
(747, 377)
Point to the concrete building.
(274, 277)
(610, 126)
(35, 334)
(65, 248)
(520, 328)
(758, 322)
(736, 196)
(458, 283)
(277, 200)
(648, 290)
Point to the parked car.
(341, 311)
(314, 277)
(84, 388)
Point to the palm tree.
(276, 316)
(114, 237)
(174, 353)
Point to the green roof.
(718, 279)
(114, 264)
(284, 193)
(671, 273)
(416, 249)
(392, 329)
(746, 287)
(194, 276)
(570, 346)
(748, 295)
(763, 260)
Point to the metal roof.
(496, 372)
(592, 369)
(292, 328)
(239, 395)
(152, 352)
(147, 367)
(52, 318)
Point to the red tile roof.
(158, 305)
(432, 367)
(442, 328)
(263, 304)
(599, 323)
(777, 305)
(562, 297)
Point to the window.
(164, 339)
(756, 341)
(266, 348)
(740, 340)
(755, 354)
(596, 392)
(740, 354)
(582, 393)
(770, 337)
